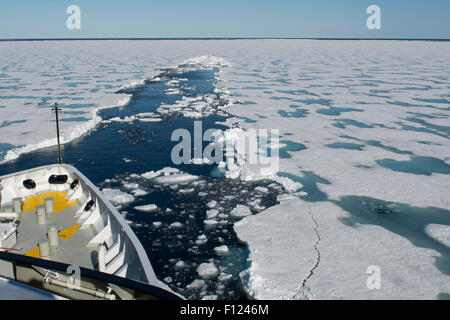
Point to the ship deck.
(89, 231)
(73, 240)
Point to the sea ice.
(201, 239)
(180, 265)
(139, 192)
(169, 176)
(210, 222)
(221, 250)
(240, 211)
(262, 189)
(147, 208)
(389, 97)
(117, 197)
(212, 213)
(207, 270)
(211, 204)
(176, 225)
(439, 232)
(196, 284)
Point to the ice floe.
(207, 270)
(240, 211)
(196, 284)
(146, 208)
(221, 250)
(117, 197)
(169, 176)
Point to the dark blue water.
(113, 151)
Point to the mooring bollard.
(52, 234)
(44, 248)
(49, 207)
(41, 215)
(17, 205)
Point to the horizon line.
(220, 38)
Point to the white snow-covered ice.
(353, 118)
(240, 211)
(146, 208)
(208, 270)
(117, 197)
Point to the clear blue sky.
(230, 18)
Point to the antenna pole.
(57, 110)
